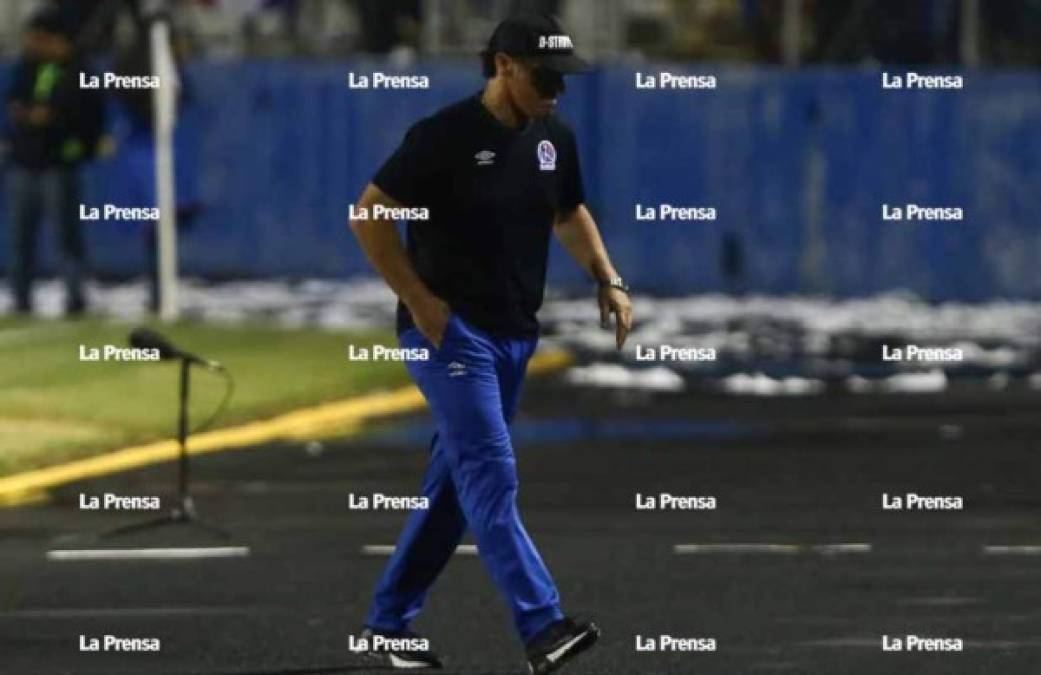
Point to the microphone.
(144, 338)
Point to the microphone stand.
(184, 512)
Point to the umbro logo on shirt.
(456, 369)
(485, 158)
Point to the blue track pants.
(472, 385)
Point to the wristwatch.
(616, 282)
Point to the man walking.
(484, 181)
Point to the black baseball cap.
(537, 37)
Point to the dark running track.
(805, 471)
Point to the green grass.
(53, 407)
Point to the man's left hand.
(616, 301)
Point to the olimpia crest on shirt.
(547, 156)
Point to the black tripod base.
(183, 514)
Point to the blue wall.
(796, 163)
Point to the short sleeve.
(406, 173)
(571, 192)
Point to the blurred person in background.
(92, 23)
(1013, 31)
(388, 26)
(551, 7)
(78, 14)
(886, 31)
(716, 30)
(54, 126)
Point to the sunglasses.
(548, 83)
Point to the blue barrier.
(797, 164)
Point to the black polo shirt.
(493, 194)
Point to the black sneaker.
(400, 650)
(558, 643)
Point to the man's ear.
(503, 64)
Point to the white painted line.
(694, 549)
(874, 643)
(779, 549)
(385, 549)
(377, 549)
(1012, 550)
(149, 553)
(840, 549)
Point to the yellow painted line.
(344, 416)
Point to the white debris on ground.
(819, 335)
(909, 383)
(759, 384)
(621, 377)
(996, 335)
(720, 321)
(360, 304)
